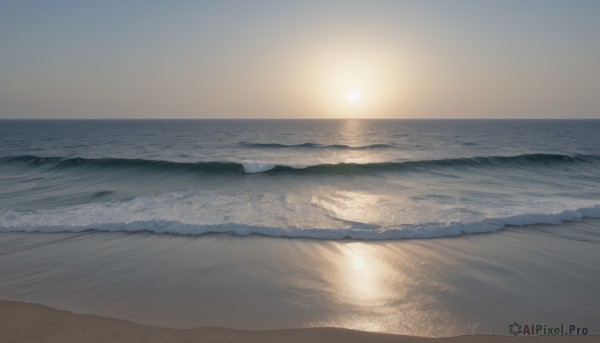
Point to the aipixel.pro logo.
(517, 329)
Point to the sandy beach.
(23, 322)
(473, 285)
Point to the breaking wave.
(518, 161)
(314, 146)
(359, 232)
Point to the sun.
(353, 95)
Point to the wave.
(57, 163)
(358, 232)
(314, 146)
(522, 161)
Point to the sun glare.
(355, 81)
(353, 95)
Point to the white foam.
(251, 167)
(431, 230)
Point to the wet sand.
(476, 284)
(23, 323)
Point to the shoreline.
(27, 322)
(422, 288)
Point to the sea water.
(322, 179)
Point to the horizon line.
(343, 118)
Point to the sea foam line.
(419, 231)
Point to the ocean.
(421, 227)
(323, 179)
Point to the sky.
(300, 59)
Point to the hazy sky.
(299, 59)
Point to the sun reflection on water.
(363, 283)
(386, 288)
(362, 276)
